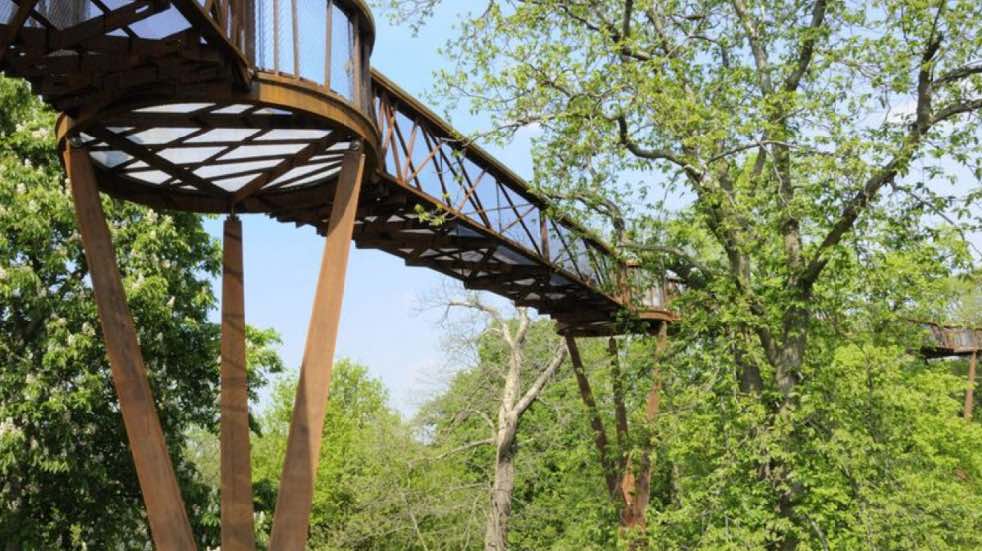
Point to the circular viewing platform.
(235, 105)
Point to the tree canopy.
(821, 164)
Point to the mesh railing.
(320, 41)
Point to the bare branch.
(955, 75)
(807, 47)
(741, 148)
(524, 322)
(650, 154)
(756, 46)
(626, 20)
(688, 260)
(533, 392)
(956, 109)
(474, 302)
(886, 174)
(597, 202)
(479, 413)
(465, 447)
(607, 29)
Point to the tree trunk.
(636, 489)
(496, 534)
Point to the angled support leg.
(636, 484)
(165, 507)
(291, 521)
(237, 523)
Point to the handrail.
(480, 155)
(423, 151)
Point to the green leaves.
(366, 488)
(806, 169)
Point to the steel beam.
(291, 521)
(236, 466)
(23, 12)
(165, 508)
(970, 391)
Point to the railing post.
(544, 235)
(296, 38)
(970, 391)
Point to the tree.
(555, 503)
(65, 467)
(367, 491)
(783, 124)
(515, 399)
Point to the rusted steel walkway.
(271, 106)
(108, 69)
(949, 340)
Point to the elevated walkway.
(271, 106)
(949, 340)
(248, 106)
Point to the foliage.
(364, 486)
(819, 159)
(65, 467)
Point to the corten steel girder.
(270, 106)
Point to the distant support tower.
(951, 341)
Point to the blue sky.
(382, 326)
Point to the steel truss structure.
(271, 106)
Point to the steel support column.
(291, 520)
(165, 507)
(237, 523)
(970, 391)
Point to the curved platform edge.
(327, 110)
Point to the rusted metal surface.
(277, 146)
(165, 507)
(291, 519)
(947, 340)
(446, 204)
(82, 53)
(236, 466)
